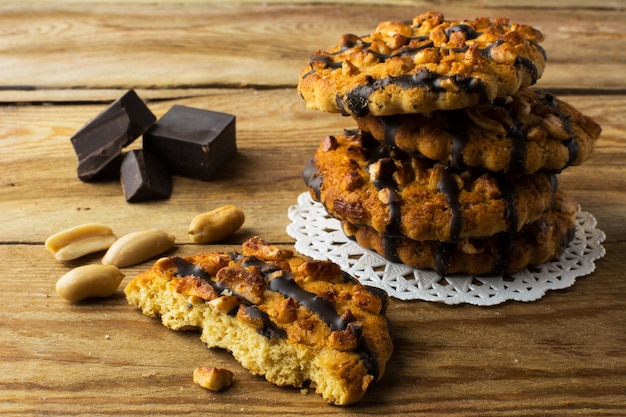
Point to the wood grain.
(103, 46)
(62, 63)
(267, 121)
(105, 357)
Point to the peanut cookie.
(537, 242)
(523, 133)
(427, 64)
(291, 319)
(363, 181)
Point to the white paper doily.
(320, 236)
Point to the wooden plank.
(37, 155)
(527, 4)
(79, 95)
(276, 136)
(63, 62)
(562, 354)
(105, 46)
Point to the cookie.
(537, 242)
(365, 182)
(519, 134)
(294, 320)
(424, 65)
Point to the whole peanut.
(136, 247)
(216, 225)
(89, 281)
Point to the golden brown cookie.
(523, 133)
(289, 318)
(423, 65)
(361, 180)
(537, 242)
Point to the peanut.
(89, 281)
(136, 247)
(224, 304)
(80, 240)
(216, 225)
(211, 378)
(486, 123)
(256, 246)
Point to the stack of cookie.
(453, 161)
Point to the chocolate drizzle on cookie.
(459, 128)
(356, 101)
(390, 248)
(285, 285)
(384, 181)
(280, 282)
(184, 268)
(517, 160)
(441, 64)
(327, 61)
(289, 318)
(466, 154)
(530, 66)
(269, 329)
(571, 143)
(443, 257)
(449, 187)
(467, 31)
(390, 129)
(312, 178)
(392, 172)
(460, 136)
(405, 50)
(522, 134)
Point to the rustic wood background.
(62, 63)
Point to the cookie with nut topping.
(537, 242)
(520, 134)
(294, 320)
(362, 181)
(427, 64)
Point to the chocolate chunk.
(192, 142)
(144, 177)
(99, 143)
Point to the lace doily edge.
(593, 237)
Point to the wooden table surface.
(62, 63)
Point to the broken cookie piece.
(296, 321)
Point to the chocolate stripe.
(285, 285)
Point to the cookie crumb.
(214, 379)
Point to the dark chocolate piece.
(192, 142)
(144, 177)
(99, 143)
